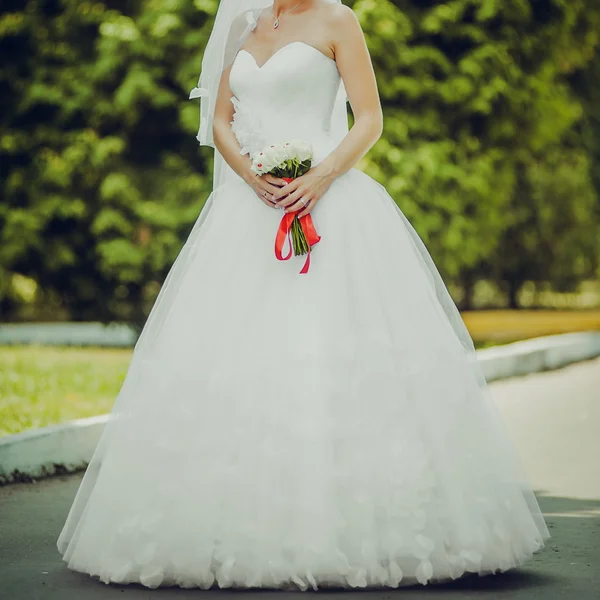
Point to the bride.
(278, 429)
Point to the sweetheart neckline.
(260, 67)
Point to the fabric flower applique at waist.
(247, 127)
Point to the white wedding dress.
(281, 429)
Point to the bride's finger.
(269, 187)
(292, 198)
(265, 196)
(287, 189)
(274, 180)
(297, 206)
(309, 206)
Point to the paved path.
(555, 420)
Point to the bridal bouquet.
(288, 161)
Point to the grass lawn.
(41, 386)
(501, 326)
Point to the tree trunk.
(468, 286)
(513, 291)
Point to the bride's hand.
(265, 186)
(304, 192)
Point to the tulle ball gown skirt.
(324, 429)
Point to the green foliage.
(491, 142)
(586, 84)
(480, 147)
(103, 175)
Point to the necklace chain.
(276, 20)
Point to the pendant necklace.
(276, 21)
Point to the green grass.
(42, 386)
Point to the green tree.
(103, 177)
(586, 83)
(473, 91)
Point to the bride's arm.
(355, 67)
(227, 144)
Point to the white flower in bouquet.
(261, 162)
(289, 159)
(278, 154)
(301, 149)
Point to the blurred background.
(491, 148)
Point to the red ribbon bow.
(284, 232)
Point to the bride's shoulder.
(336, 10)
(339, 15)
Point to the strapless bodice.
(290, 96)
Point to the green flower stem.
(304, 240)
(295, 237)
(295, 240)
(300, 241)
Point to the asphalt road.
(555, 422)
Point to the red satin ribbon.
(284, 232)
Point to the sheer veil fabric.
(277, 429)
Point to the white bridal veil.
(234, 21)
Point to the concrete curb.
(113, 335)
(69, 447)
(63, 448)
(538, 354)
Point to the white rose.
(287, 151)
(264, 160)
(270, 158)
(302, 150)
(279, 154)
